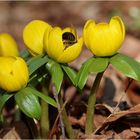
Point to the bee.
(69, 38)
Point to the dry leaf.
(104, 107)
(12, 134)
(98, 120)
(128, 134)
(81, 122)
(134, 92)
(135, 129)
(113, 117)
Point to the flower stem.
(89, 128)
(45, 115)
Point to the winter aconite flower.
(104, 39)
(13, 73)
(62, 45)
(33, 36)
(8, 46)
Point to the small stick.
(58, 116)
(59, 110)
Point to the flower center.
(68, 39)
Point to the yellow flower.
(8, 46)
(104, 39)
(33, 36)
(13, 73)
(62, 45)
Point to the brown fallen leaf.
(12, 134)
(81, 122)
(128, 134)
(135, 129)
(98, 120)
(134, 123)
(81, 135)
(113, 117)
(112, 134)
(104, 107)
(134, 92)
(125, 134)
(97, 137)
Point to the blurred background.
(15, 15)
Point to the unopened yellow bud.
(104, 39)
(33, 36)
(8, 46)
(13, 73)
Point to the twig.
(62, 108)
(59, 110)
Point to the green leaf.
(46, 98)
(36, 62)
(56, 73)
(99, 65)
(28, 103)
(4, 98)
(92, 65)
(127, 65)
(83, 73)
(33, 59)
(24, 53)
(70, 73)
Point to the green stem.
(45, 115)
(89, 128)
(67, 123)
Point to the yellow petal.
(71, 30)
(117, 24)
(8, 46)
(20, 67)
(14, 73)
(53, 43)
(46, 40)
(33, 35)
(100, 40)
(87, 32)
(104, 39)
(71, 52)
(67, 29)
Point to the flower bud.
(8, 46)
(13, 73)
(33, 36)
(104, 39)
